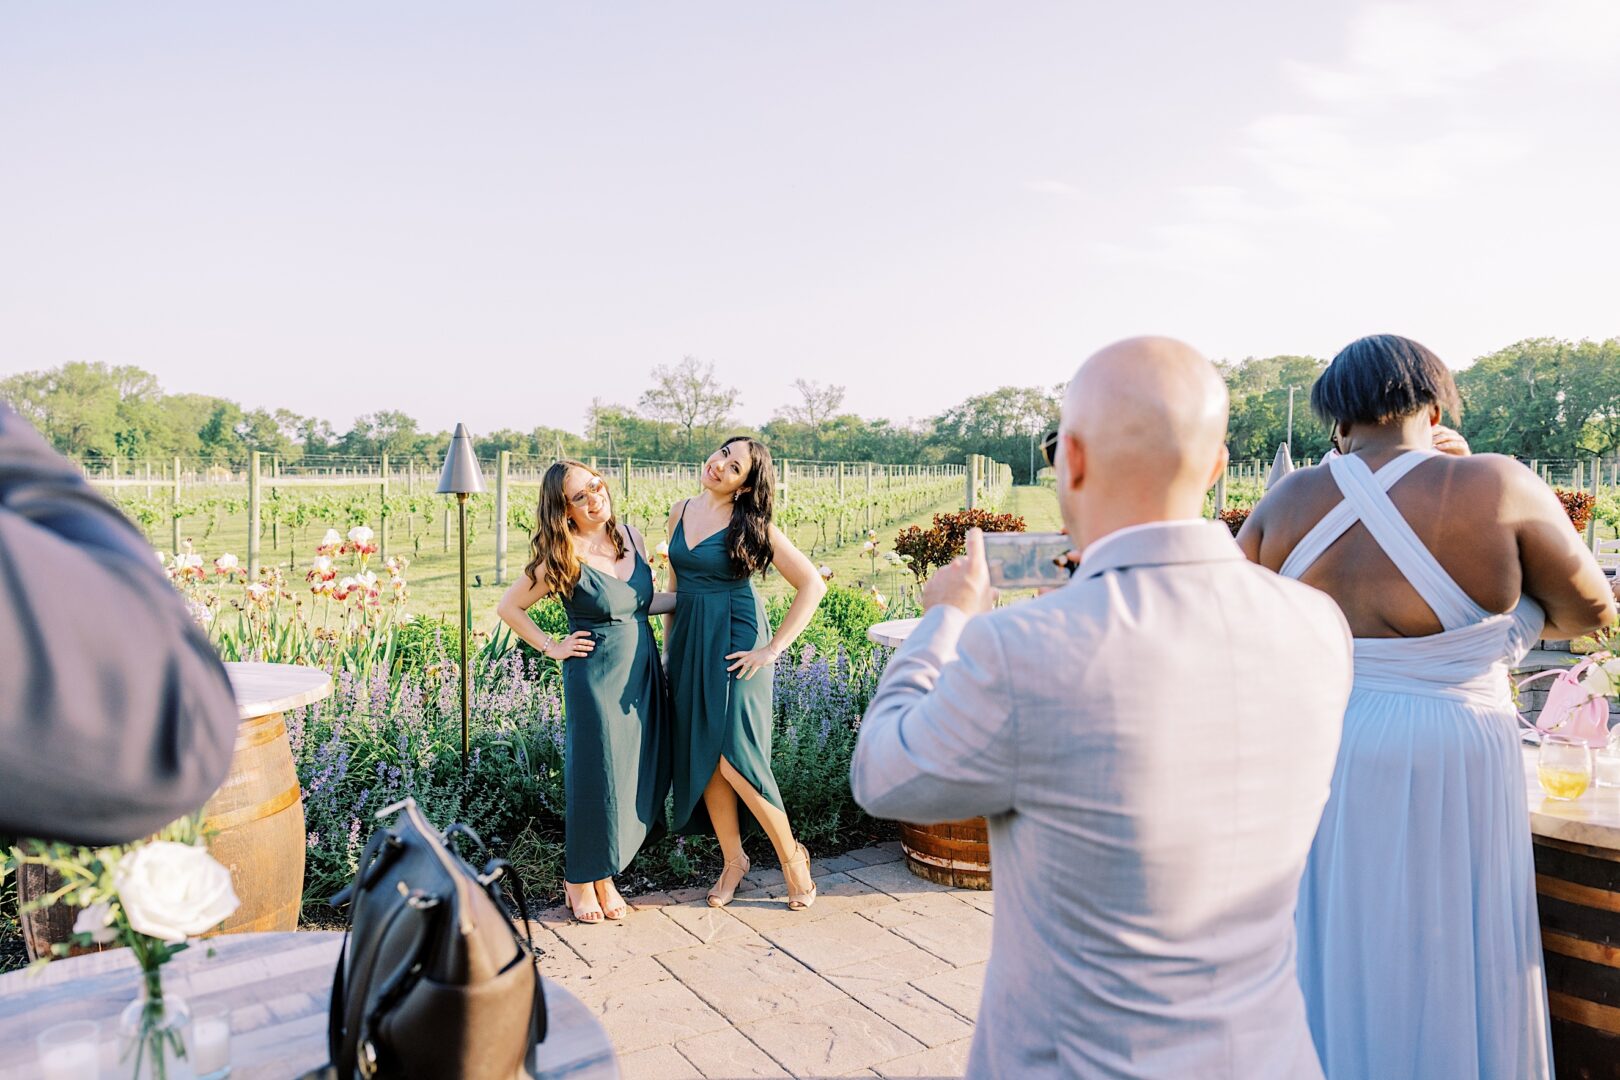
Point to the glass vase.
(152, 1032)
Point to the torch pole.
(466, 684)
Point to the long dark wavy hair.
(748, 537)
(552, 546)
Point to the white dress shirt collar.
(1091, 548)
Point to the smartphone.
(1027, 560)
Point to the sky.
(498, 212)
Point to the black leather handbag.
(434, 980)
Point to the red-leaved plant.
(1578, 505)
(932, 548)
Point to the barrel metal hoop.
(258, 732)
(269, 808)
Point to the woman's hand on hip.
(575, 645)
(750, 663)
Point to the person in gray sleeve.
(1152, 744)
(116, 716)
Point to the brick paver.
(880, 978)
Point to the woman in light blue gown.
(1419, 946)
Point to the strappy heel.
(583, 914)
(798, 901)
(617, 912)
(721, 894)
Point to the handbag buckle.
(422, 901)
(367, 1059)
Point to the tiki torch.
(461, 477)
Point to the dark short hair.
(1381, 377)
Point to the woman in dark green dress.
(616, 763)
(721, 656)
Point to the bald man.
(1152, 744)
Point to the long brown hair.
(748, 537)
(552, 546)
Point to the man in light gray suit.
(1152, 744)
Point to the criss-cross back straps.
(1366, 499)
(1337, 521)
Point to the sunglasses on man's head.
(1049, 443)
(593, 486)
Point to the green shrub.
(841, 620)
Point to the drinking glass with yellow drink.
(1564, 766)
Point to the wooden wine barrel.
(954, 853)
(45, 926)
(258, 811)
(1578, 895)
(1577, 852)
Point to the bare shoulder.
(1308, 479)
(1496, 465)
(1485, 477)
(1305, 487)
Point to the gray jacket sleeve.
(116, 716)
(939, 740)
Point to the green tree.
(1259, 421)
(75, 407)
(1517, 400)
(219, 439)
(1004, 424)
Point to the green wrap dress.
(715, 714)
(616, 754)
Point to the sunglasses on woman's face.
(592, 487)
(1049, 443)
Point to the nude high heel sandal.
(721, 894)
(798, 901)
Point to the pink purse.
(1571, 709)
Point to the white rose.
(173, 891)
(1612, 667)
(360, 535)
(1595, 681)
(96, 920)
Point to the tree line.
(1541, 398)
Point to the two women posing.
(704, 728)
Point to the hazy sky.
(495, 212)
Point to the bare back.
(1490, 524)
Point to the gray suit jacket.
(115, 714)
(1153, 745)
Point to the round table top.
(1593, 819)
(893, 632)
(262, 689)
(277, 987)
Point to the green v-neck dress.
(616, 752)
(715, 714)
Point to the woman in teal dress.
(616, 763)
(721, 656)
